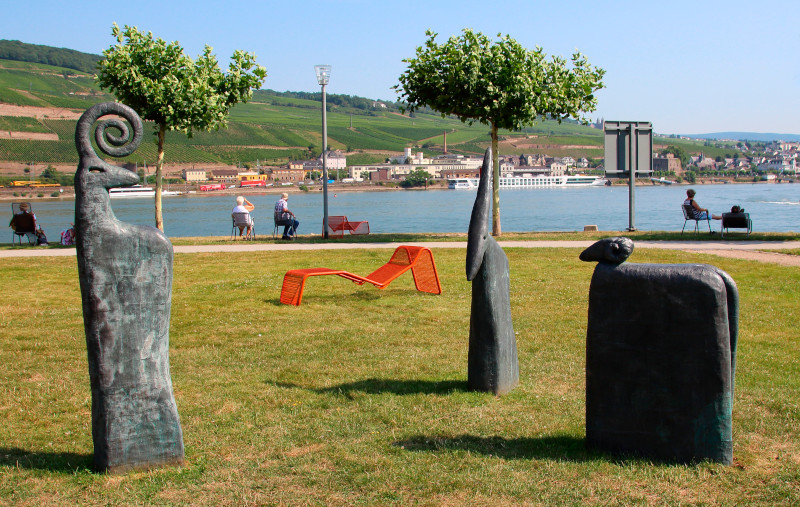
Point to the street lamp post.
(323, 76)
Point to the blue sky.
(687, 66)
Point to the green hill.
(60, 57)
(273, 128)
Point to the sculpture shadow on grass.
(63, 462)
(555, 448)
(381, 386)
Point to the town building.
(667, 163)
(194, 175)
(224, 175)
(289, 173)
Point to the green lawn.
(359, 395)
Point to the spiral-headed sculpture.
(125, 275)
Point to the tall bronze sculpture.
(492, 358)
(125, 275)
(660, 357)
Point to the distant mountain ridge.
(60, 57)
(747, 136)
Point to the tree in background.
(497, 83)
(165, 86)
(417, 178)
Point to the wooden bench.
(338, 224)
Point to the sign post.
(628, 150)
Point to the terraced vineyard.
(271, 129)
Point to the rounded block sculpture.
(660, 357)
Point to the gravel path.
(751, 250)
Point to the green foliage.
(61, 57)
(417, 178)
(167, 87)
(497, 83)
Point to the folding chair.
(688, 214)
(243, 219)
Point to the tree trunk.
(159, 183)
(495, 183)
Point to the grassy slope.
(270, 122)
(358, 395)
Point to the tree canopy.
(164, 85)
(497, 83)
(417, 178)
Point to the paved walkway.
(749, 250)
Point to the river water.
(772, 207)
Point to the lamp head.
(323, 73)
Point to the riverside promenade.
(761, 251)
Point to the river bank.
(68, 192)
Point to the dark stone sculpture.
(660, 357)
(126, 289)
(492, 358)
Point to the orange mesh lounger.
(418, 259)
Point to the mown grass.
(359, 395)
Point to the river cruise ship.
(541, 181)
(138, 191)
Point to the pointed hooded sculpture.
(492, 358)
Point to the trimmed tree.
(497, 83)
(165, 86)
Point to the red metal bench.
(418, 259)
(338, 224)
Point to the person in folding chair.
(285, 217)
(23, 222)
(699, 213)
(241, 216)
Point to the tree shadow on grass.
(380, 386)
(557, 448)
(64, 462)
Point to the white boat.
(138, 191)
(540, 181)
